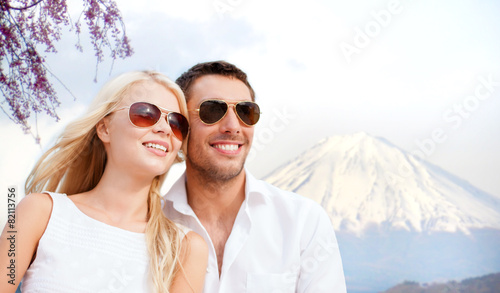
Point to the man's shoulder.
(292, 209)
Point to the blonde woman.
(104, 229)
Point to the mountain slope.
(363, 181)
(485, 284)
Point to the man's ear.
(102, 129)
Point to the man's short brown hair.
(187, 79)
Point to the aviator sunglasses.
(143, 114)
(212, 111)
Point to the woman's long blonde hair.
(76, 163)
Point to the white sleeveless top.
(80, 254)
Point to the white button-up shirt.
(280, 242)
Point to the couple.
(218, 229)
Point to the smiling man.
(261, 239)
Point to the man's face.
(218, 151)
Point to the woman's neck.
(119, 199)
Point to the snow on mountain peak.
(363, 181)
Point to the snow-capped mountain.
(364, 182)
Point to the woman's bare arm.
(193, 258)
(20, 237)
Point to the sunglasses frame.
(228, 105)
(163, 111)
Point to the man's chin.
(216, 170)
(226, 173)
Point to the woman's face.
(148, 151)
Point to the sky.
(425, 75)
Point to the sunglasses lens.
(179, 125)
(144, 114)
(248, 112)
(212, 111)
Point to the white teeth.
(227, 147)
(155, 146)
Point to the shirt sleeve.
(320, 262)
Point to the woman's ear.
(102, 129)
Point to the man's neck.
(210, 199)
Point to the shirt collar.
(256, 192)
(178, 196)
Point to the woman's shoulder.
(37, 202)
(192, 236)
(191, 239)
(33, 213)
(194, 243)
